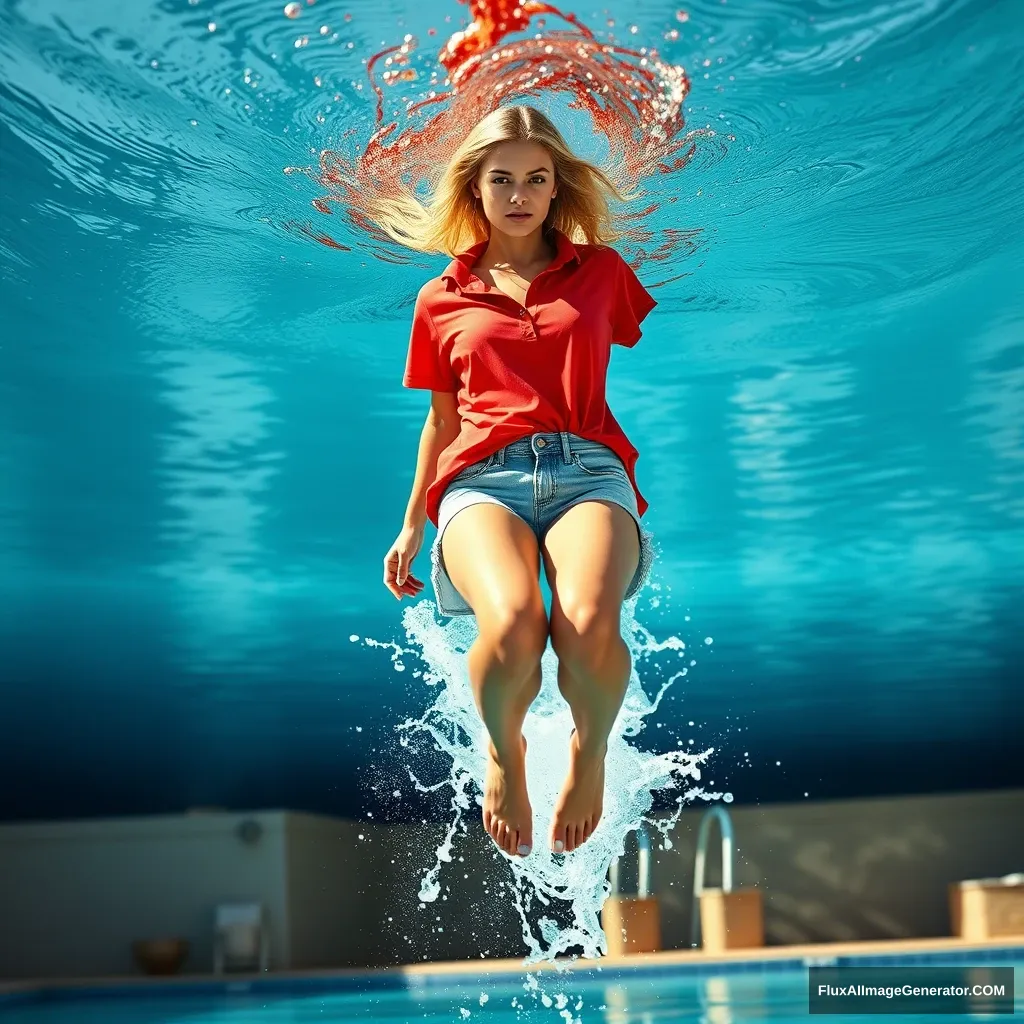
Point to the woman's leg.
(590, 554)
(493, 560)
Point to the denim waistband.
(560, 443)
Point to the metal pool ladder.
(725, 824)
(643, 865)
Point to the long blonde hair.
(451, 220)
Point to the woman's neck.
(517, 251)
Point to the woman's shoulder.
(431, 289)
(598, 254)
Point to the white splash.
(558, 897)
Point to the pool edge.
(440, 973)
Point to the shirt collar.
(458, 272)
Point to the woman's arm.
(439, 430)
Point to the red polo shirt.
(536, 368)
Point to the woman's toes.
(525, 842)
(558, 840)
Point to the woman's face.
(516, 184)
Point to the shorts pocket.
(474, 470)
(598, 462)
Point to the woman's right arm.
(440, 428)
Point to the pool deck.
(507, 967)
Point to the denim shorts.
(538, 478)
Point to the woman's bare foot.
(508, 816)
(581, 801)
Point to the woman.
(520, 459)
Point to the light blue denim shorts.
(538, 478)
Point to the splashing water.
(558, 896)
(635, 100)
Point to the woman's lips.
(519, 216)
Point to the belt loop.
(499, 457)
(566, 450)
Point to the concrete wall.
(851, 870)
(334, 887)
(829, 871)
(73, 895)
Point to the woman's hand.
(397, 577)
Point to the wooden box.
(731, 920)
(631, 924)
(986, 908)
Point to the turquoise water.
(756, 991)
(206, 450)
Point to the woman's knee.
(516, 631)
(586, 637)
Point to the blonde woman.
(520, 459)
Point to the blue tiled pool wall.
(395, 980)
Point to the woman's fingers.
(391, 573)
(410, 588)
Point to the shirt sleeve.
(426, 365)
(631, 306)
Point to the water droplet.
(727, 797)
(292, 10)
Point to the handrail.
(720, 814)
(643, 863)
(643, 867)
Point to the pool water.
(207, 449)
(720, 994)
